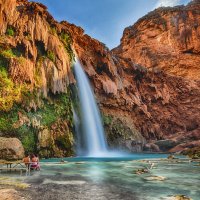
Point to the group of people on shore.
(32, 161)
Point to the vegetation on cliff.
(35, 102)
(153, 88)
(28, 118)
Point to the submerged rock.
(156, 178)
(79, 163)
(11, 149)
(171, 157)
(141, 171)
(177, 197)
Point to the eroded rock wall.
(147, 88)
(158, 92)
(35, 72)
(166, 39)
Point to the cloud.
(165, 3)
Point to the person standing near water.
(26, 160)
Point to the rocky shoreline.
(64, 188)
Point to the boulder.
(10, 194)
(178, 197)
(11, 149)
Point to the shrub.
(51, 56)
(8, 54)
(3, 62)
(107, 120)
(7, 119)
(10, 31)
(37, 77)
(53, 30)
(9, 92)
(11, 53)
(67, 41)
(27, 137)
(193, 153)
(5, 126)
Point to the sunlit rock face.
(35, 72)
(35, 34)
(165, 39)
(147, 88)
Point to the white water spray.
(94, 137)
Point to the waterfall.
(92, 134)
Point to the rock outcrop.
(11, 149)
(148, 87)
(35, 72)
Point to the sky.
(104, 20)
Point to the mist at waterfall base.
(91, 141)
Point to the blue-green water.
(181, 178)
(123, 157)
(119, 173)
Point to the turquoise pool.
(118, 175)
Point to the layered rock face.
(148, 88)
(166, 39)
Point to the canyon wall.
(147, 88)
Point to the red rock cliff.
(167, 39)
(148, 88)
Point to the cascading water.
(94, 137)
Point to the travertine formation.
(11, 149)
(148, 88)
(35, 33)
(35, 72)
